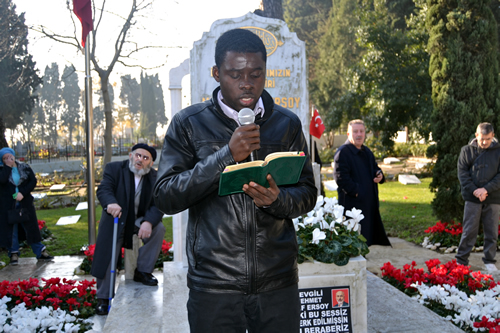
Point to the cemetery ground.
(72, 238)
(405, 209)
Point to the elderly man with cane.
(125, 193)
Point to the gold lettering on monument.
(287, 102)
(270, 73)
(278, 73)
(270, 84)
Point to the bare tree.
(124, 51)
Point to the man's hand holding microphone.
(244, 141)
(246, 138)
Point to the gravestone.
(57, 187)
(391, 160)
(408, 179)
(65, 220)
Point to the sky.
(173, 25)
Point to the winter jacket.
(354, 172)
(478, 168)
(232, 245)
(117, 186)
(26, 185)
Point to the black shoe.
(14, 259)
(145, 278)
(102, 307)
(45, 256)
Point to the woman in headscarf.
(17, 180)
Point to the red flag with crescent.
(83, 10)
(316, 128)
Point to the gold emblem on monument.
(270, 41)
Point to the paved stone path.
(389, 310)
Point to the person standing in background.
(17, 181)
(358, 175)
(479, 175)
(126, 192)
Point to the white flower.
(318, 235)
(38, 320)
(330, 203)
(338, 212)
(319, 202)
(311, 218)
(352, 225)
(355, 214)
(468, 309)
(324, 225)
(332, 228)
(320, 214)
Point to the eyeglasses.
(140, 156)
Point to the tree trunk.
(272, 9)
(108, 116)
(3, 141)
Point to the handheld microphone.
(247, 117)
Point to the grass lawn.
(69, 239)
(405, 209)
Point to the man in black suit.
(126, 192)
(340, 296)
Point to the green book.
(284, 167)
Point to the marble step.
(136, 307)
(175, 296)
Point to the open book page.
(268, 158)
(272, 156)
(243, 165)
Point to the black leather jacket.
(232, 245)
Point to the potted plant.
(327, 236)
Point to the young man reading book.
(242, 247)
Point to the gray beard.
(144, 171)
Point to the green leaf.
(345, 240)
(334, 248)
(342, 260)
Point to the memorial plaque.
(325, 309)
(68, 220)
(408, 179)
(57, 187)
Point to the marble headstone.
(408, 179)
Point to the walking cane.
(113, 263)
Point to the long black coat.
(116, 187)
(7, 189)
(354, 173)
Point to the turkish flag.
(316, 128)
(83, 10)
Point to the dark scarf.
(141, 211)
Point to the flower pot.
(329, 278)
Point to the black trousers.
(273, 311)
